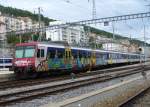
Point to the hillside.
(23, 13)
(110, 35)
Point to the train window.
(130, 56)
(80, 55)
(110, 55)
(60, 54)
(89, 55)
(106, 56)
(52, 54)
(123, 56)
(5, 60)
(29, 51)
(126, 56)
(48, 55)
(84, 54)
(19, 52)
(8, 60)
(74, 55)
(113, 56)
(98, 55)
(40, 53)
(117, 56)
(1, 60)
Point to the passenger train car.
(6, 62)
(35, 57)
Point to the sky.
(76, 10)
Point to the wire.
(70, 2)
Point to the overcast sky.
(75, 10)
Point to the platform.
(5, 74)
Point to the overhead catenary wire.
(85, 22)
(77, 5)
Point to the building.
(19, 23)
(145, 50)
(2, 31)
(122, 45)
(73, 34)
(3, 50)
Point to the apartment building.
(72, 34)
(19, 23)
(2, 31)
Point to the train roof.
(83, 48)
(62, 44)
(6, 57)
(27, 43)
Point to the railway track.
(22, 83)
(19, 94)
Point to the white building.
(19, 23)
(112, 46)
(145, 50)
(2, 31)
(73, 34)
(121, 47)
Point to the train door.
(93, 58)
(110, 58)
(41, 53)
(41, 62)
(68, 58)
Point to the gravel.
(142, 100)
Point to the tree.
(23, 13)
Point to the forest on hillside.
(23, 13)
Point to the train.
(6, 62)
(36, 58)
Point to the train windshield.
(25, 51)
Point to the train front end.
(24, 59)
